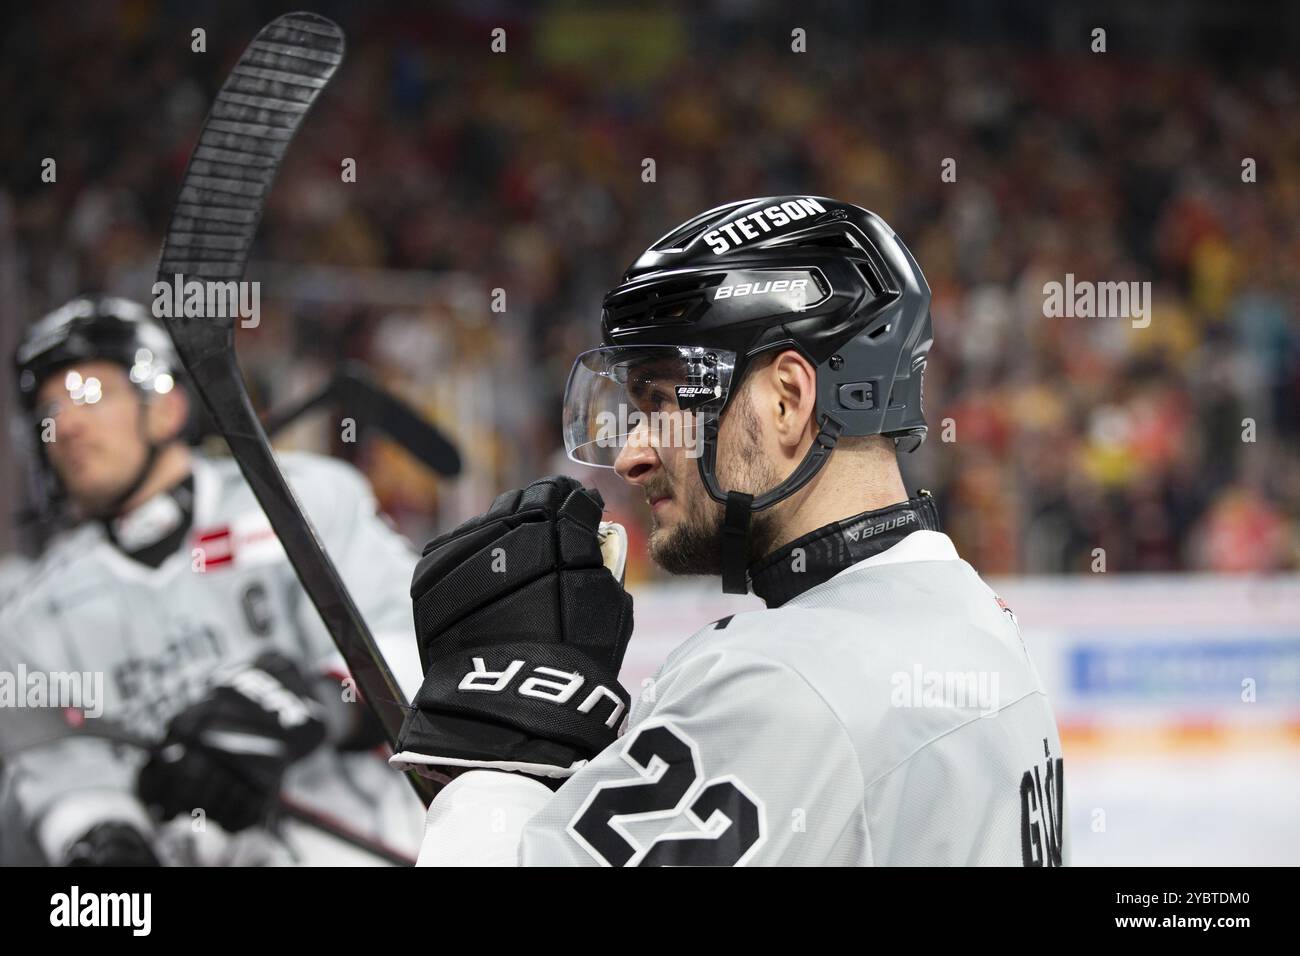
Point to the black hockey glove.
(522, 629)
(227, 753)
(111, 844)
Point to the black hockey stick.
(325, 823)
(355, 390)
(222, 195)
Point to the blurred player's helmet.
(97, 327)
(826, 278)
(88, 328)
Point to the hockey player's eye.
(658, 399)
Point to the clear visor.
(643, 396)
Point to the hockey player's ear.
(168, 414)
(792, 384)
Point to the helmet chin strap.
(153, 450)
(114, 507)
(740, 507)
(736, 523)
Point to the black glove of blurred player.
(522, 630)
(111, 844)
(227, 754)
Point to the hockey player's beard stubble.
(694, 544)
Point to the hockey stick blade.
(222, 197)
(278, 419)
(399, 421)
(373, 406)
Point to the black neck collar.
(157, 528)
(827, 551)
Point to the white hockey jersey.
(887, 716)
(157, 638)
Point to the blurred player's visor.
(643, 395)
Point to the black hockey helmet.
(827, 278)
(97, 327)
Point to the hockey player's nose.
(637, 460)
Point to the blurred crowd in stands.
(1056, 444)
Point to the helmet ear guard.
(858, 387)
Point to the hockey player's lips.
(657, 501)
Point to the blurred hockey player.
(171, 597)
(761, 369)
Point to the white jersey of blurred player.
(159, 637)
(888, 716)
(14, 569)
